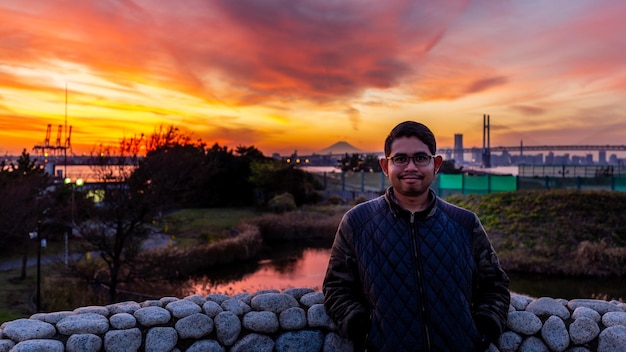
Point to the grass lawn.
(17, 297)
(196, 226)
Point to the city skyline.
(286, 76)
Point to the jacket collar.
(398, 210)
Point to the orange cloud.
(281, 74)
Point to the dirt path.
(154, 241)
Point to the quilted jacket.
(427, 281)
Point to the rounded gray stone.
(88, 323)
(194, 326)
(236, 306)
(318, 318)
(612, 339)
(197, 299)
(122, 321)
(545, 307)
(245, 297)
(217, 297)
(301, 341)
(153, 315)
(533, 344)
(167, 300)
(39, 345)
(261, 292)
(587, 313)
(211, 309)
(183, 308)
(28, 329)
(292, 318)
(297, 293)
(161, 338)
(583, 330)
(579, 349)
(509, 341)
(312, 298)
(84, 343)
(520, 302)
(151, 303)
(123, 307)
(273, 302)
(263, 322)
(206, 346)
(227, 327)
(335, 343)
(599, 306)
(555, 334)
(614, 318)
(523, 322)
(254, 342)
(122, 340)
(6, 345)
(53, 317)
(93, 309)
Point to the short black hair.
(411, 129)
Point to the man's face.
(410, 180)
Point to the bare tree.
(118, 224)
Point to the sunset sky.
(285, 75)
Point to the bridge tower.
(486, 141)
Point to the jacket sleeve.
(491, 295)
(343, 293)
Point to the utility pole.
(38, 301)
(66, 139)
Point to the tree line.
(176, 172)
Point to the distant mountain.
(340, 148)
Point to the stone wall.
(291, 320)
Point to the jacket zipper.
(419, 280)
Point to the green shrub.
(298, 225)
(360, 199)
(335, 199)
(181, 263)
(282, 203)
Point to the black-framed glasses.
(420, 159)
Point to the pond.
(291, 267)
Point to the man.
(409, 271)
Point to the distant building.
(458, 149)
(602, 157)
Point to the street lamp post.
(40, 243)
(39, 266)
(79, 182)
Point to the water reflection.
(305, 269)
(291, 266)
(284, 266)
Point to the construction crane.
(43, 148)
(57, 149)
(46, 142)
(57, 145)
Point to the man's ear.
(438, 162)
(384, 164)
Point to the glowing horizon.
(283, 76)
